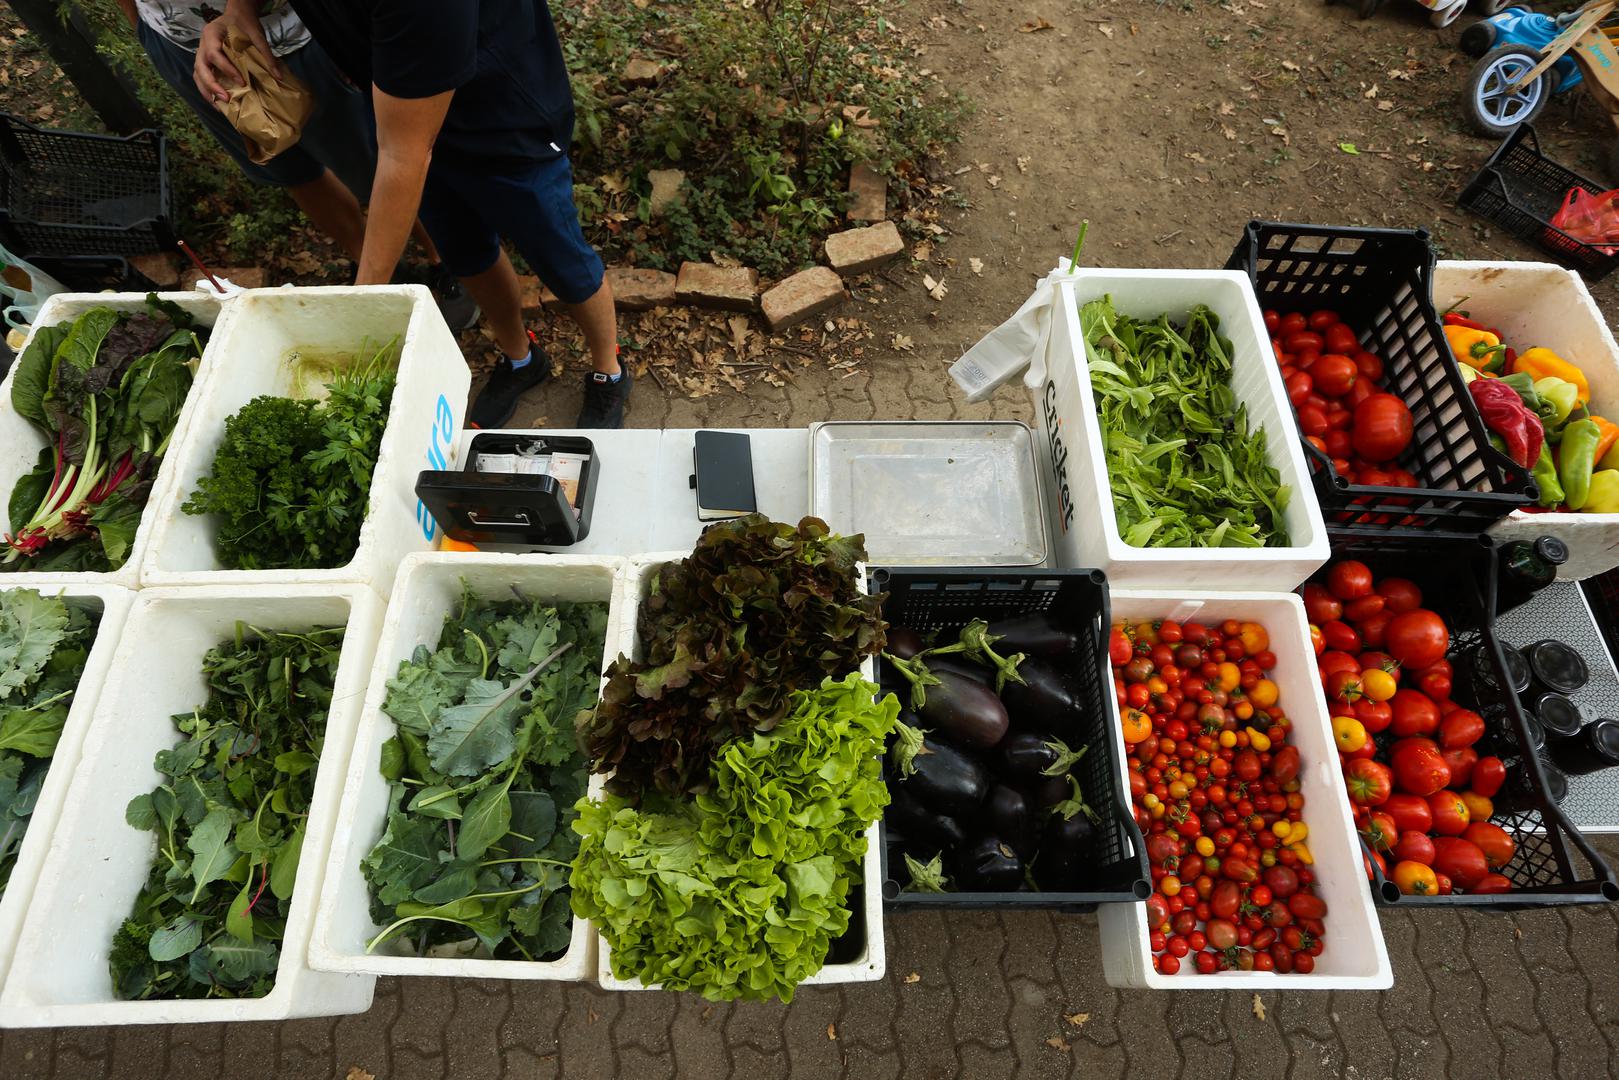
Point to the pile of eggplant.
(980, 770)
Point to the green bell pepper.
(1563, 395)
(1576, 458)
(1551, 492)
(1604, 495)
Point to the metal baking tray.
(929, 493)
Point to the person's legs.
(598, 319)
(501, 298)
(329, 203)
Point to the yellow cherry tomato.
(1137, 726)
(1228, 739)
(1303, 852)
(1264, 694)
(1281, 827)
(1267, 858)
(1258, 740)
(1177, 790)
(1254, 638)
(1479, 808)
(1377, 684)
(1205, 846)
(1348, 733)
(1170, 886)
(1230, 676)
(1151, 801)
(1156, 685)
(1157, 811)
(1297, 833)
(1243, 710)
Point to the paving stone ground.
(971, 995)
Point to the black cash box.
(515, 490)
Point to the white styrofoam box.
(59, 971)
(1073, 465)
(427, 588)
(267, 327)
(1355, 957)
(113, 604)
(20, 440)
(1539, 305)
(871, 963)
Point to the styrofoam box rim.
(1592, 538)
(115, 603)
(578, 963)
(1282, 441)
(1352, 921)
(396, 460)
(872, 964)
(62, 307)
(298, 991)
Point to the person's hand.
(213, 65)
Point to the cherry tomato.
(1400, 594)
(1320, 605)
(1341, 636)
(1322, 320)
(1303, 340)
(1370, 368)
(1168, 964)
(1273, 322)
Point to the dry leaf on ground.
(1034, 26)
(1105, 30)
(1290, 65)
(977, 265)
(1259, 1007)
(1023, 163)
(903, 343)
(357, 1073)
(1057, 1042)
(936, 289)
(912, 979)
(1077, 1019)
(832, 1032)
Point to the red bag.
(1590, 219)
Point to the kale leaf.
(484, 771)
(758, 610)
(229, 821)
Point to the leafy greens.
(1184, 468)
(105, 390)
(483, 774)
(229, 821)
(741, 892)
(292, 479)
(758, 609)
(44, 642)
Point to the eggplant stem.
(908, 744)
(928, 877)
(1069, 807)
(917, 673)
(977, 642)
(1066, 758)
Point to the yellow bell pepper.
(1545, 364)
(1477, 349)
(1603, 497)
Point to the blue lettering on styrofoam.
(439, 439)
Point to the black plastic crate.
(67, 193)
(1380, 282)
(1602, 594)
(942, 601)
(1554, 864)
(1521, 190)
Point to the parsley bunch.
(292, 479)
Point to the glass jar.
(1594, 748)
(1526, 567)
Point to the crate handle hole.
(1140, 889)
(1389, 891)
(1610, 891)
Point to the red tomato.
(1322, 320)
(1307, 906)
(1336, 443)
(1417, 638)
(1334, 374)
(1282, 881)
(1320, 605)
(1338, 417)
(1460, 860)
(1488, 776)
(1435, 680)
(1341, 636)
(1460, 762)
(1313, 420)
(1382, 428)
(1414, 847)
(1414, 713)
(1363, 608)
(1304, 339)
(1493, 883)
(1291, 323)
(1225, 899)
(1464, 727)
(1284, 765)
(1369, 366)
(1402, 595)
(1380, 831)
(1373, 630)
(1450, 816)
(1496, 843)
(1273, 322)
(1374, 716)
(1341, 339)
(1443, 884)
(1419, 770)
(1350, 579)
(1334, 660)
(1370, 782)
(1299, 384)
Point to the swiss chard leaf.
(33, 375)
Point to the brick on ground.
(243, 277)
(535, 295)
(802, 296)
(857, 251)
(160, 268)
(641, 290)
(723, 287)
(868, 191)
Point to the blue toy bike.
(1524, 59)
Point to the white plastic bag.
(26, 287)
(1016, 344)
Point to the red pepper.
(1505, 414)
(1455, 319)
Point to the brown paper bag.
(268, 112)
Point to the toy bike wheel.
(1477, 39)
(1443, 17)
(1493, 107)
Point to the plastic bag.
(269, 113)
(1018, 343)
(1590, 219)
(25, 287)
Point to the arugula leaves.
(44, 642)
(740, 893)
(106, 391)
(475, 851)
(291, 481)
(229, 821)
(758, 609)
(1184, 468)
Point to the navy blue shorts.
(467, 213)
(340, 135)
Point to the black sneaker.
(498, 399)
(457, 306)
(604, 400)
